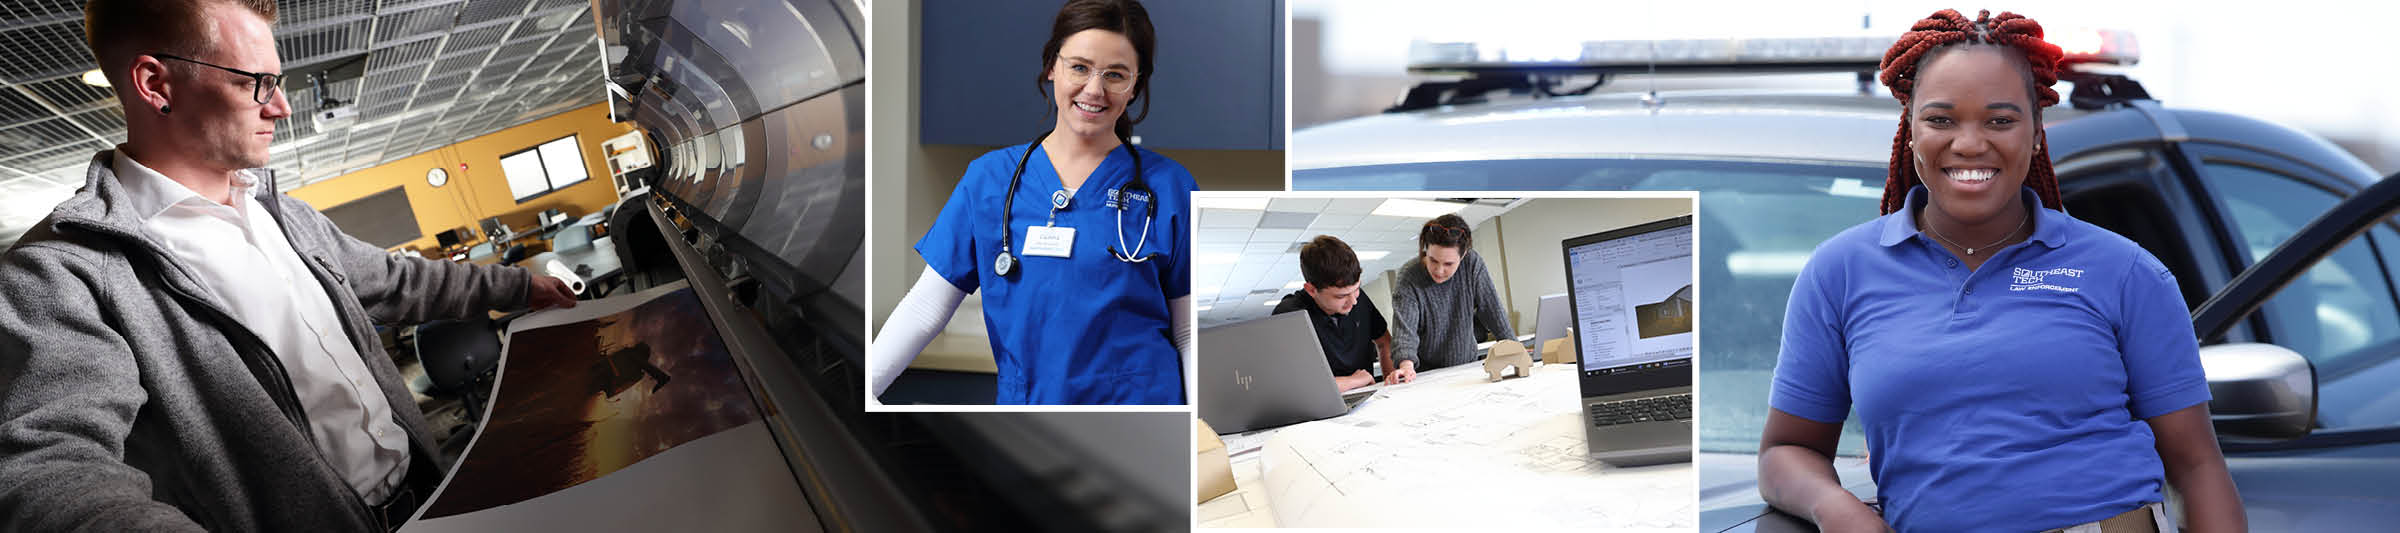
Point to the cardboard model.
(1507, 354)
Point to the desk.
(514, 235)
(1452, 439)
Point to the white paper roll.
(559, 270)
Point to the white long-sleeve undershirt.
(927, 308)
(920, 316)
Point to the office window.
(538, 170)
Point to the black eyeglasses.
(260, 82)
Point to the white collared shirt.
(239, 252)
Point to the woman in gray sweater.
(1439, 299)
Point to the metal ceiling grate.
(41, 9)
(520, 49)
(424, 21)
(17, 109)
(457, 64)
(107, 121)
(43, 51)
(477, 37)
(412, 53)
(81, 152)
(302, 13)
(437, 72)
(390, 79)
(321, 42)
(71, 95)
(39, 135)
(443, 87)
(492, 9)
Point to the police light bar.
(1816, 54)
(1670, 55)
(2084, 46)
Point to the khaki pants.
(2150, 518)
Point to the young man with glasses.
(1439, 299)
(184, 348)
(1349, 329)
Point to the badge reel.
(1039, 239)
(1049, 239)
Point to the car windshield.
(1758, 223)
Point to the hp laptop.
(1268, 372)
(1631, 294)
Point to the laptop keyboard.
(1651, 409)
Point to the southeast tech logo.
(2022, 279)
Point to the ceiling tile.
(1280, 238)
(1334, 222)
(1297, 205)
(1228, 218)
(1280, 220)
(1352, 206)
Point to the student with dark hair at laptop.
(1352, 333)
(1439, 299)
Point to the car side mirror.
(2260, 390)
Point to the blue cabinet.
(1218, 82)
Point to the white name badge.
(1050, 241)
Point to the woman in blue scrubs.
(1078, 241)
(2014, 369)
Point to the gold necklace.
(1971, 249)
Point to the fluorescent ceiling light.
(1258, 203)
(1220, 258)
(95, 78)
(1371, 255)
(1414, 208)
(1207, 307)
(1271, 303)
(1294, 285)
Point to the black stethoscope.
(1006, 263)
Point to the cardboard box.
(1559, 350)
(1212, 469)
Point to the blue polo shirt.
(2007, 398)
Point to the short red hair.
(118, 30)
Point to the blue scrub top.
(2009, 398)
(1087, 329)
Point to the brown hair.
(1941, 30)
(1124, 17)
(1446, 230)
(1327, 262)
(118, 30)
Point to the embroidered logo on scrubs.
(2022, 279)
(1138, 198)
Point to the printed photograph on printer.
(582, 400)
(1357, 348)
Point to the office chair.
(462, 359)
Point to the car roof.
(1787, 126)
(1798, 126)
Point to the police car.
(2283, 243)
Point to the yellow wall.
(481, 191)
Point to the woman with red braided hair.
(2014, 369)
